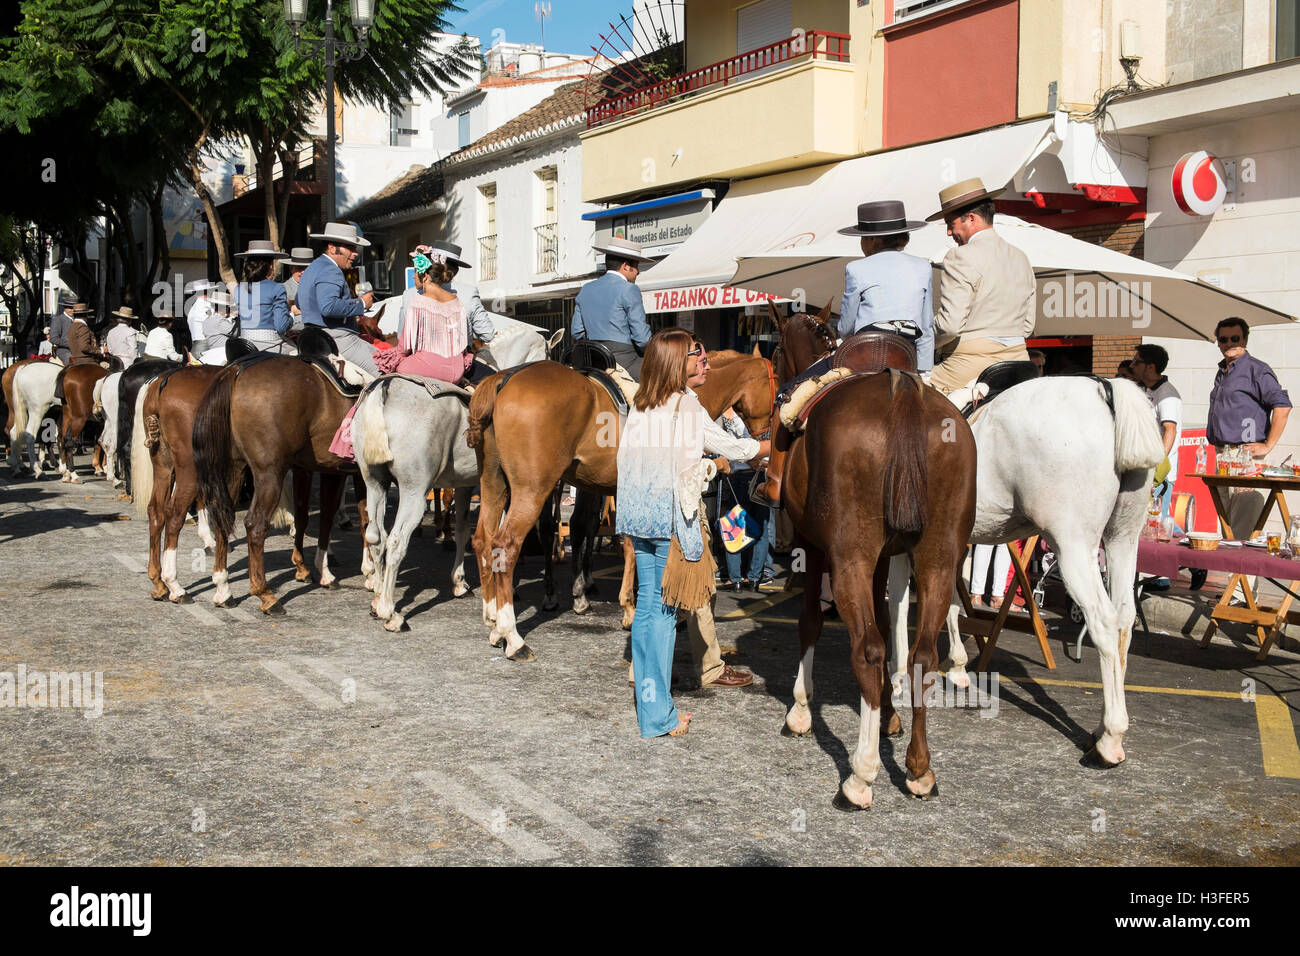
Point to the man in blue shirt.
(325, 299)
(609, 310)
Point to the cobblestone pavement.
(230, 737)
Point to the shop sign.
(1199, 183)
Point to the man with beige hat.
(608, 310)
(986, 290)
(326, 301)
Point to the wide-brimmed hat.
(344, 233)
(67, 298)
(80, 308)
(450, 251)
(962, 195)
(219, 296)
(163, 316)
(300, 256)
(263, 249)
(623, 249)
(199, 285)
(886, 217)
(126, 312)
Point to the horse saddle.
(315, 347)
(872, 350)
(237, 348)
(597, 362)
(999, 377)
(896, 379)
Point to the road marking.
(90, 531)
(333, 673)
(131, 564)
(286, 675)
(202, 615)
(466, 802)
(237, 614)
(751, 608)
(518, 792)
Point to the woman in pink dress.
(435, 340)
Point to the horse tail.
(375, 449)
(19, 407)
(213, 453)
(481, 406)
(905, 468)
(1138, 446)
(141, 458)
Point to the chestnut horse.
(550, 423)
(78, 406)
(270, 416)
(885, 466)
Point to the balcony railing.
(814, 44)
(487, 257)
(548, 248)
(305, 159)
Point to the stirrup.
(759, 497)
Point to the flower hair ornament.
(425, 256)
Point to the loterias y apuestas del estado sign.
(659, 225)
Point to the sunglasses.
(1229, 339)
(695, 352)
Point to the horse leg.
(267, 487)
(301, 512)
(410, 511)
(582, 530)
(548, 522)
(220, 575)
(900, 578)
(525, 505)
(68, 435)
(934, 584)
(378, 481)
(492, 501)
(459, 586)
(853, 582)
(889, 719)
(183, 494)
(798, 722)
(159, 504)
(1078, 563)
(331, 503)
(362, 494)
(627, 591)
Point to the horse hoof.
(842, 802)
(581, 608)
(787, 732)
(302, 574)
(551, 603)
(331, 586)
(926, 782)
(183, 599)
(524, 655)
(1094, 759)
(497, 642)
(274, 610)
(895, 728)
(223, 604)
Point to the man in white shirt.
(1149, 363)
(121, 341)
(199, 310)
(160, 344)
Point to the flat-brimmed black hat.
(886, 217)
(450, 251)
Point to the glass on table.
(1274, 541)
(1166, 530)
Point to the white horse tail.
(1138, 446)
(282, 517)
(20, 407)
(375, 448)
(141, 459)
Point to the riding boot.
(770, 490)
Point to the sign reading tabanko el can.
(1200, 183)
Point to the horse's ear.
(824, 315)
(757, 353)
(554, 340)
(777, 318)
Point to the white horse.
(1054, 458)
(106, 398)
(429, 452)
(33, 394)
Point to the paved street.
(229, 737)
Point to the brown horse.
(276, 414)
(550, 423)
(885, 466)
(78, 406)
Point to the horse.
(7, 387)
(33, 385)
(269, 416)
(140, 373)
(106, 395)
(79, 383)
(883, 467)
(549, 423)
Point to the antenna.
(542, 10)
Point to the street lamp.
(363, 18)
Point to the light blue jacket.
(890, 286)
(609, 309)
(478, 322)
(264, 305)
(325, 299)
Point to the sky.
(575, 26)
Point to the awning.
(799, 209)
(1083, 289)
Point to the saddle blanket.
(625, 382)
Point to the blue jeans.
(654, 634)
(756, 521)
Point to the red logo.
(1200, 183)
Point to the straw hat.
(344, 233)
(623, 249)
(884, 218)
(264, 249)
(960, 196)
(80, 308)
(126, 312)
(300, 256)
(199, 286)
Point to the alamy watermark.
(933, 692)
(1067, 299)
(72, 690)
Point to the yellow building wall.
(1077, 43)
(1041, 31)
(711, 25)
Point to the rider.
(59, 326)
(263, 306)
(324, 297)
(479, 322)
(986, 291)
(197, 314)
(83, 349)
(608, 310)
(888, 290)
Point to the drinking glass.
(1274, 542)
(1166, 532)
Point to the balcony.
(548, 248)
(720, 121)
(487, 257)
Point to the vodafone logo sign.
(1199, 183)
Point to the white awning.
(793, 210)
(1083, 289)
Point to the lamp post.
(363, 17)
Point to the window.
(1288, 29)
(757, 25)
(403, 125)
(547, 230)
(487, 240)
(462, 130)
(911, 9)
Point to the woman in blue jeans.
(663, 438)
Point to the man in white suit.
(986, 290)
